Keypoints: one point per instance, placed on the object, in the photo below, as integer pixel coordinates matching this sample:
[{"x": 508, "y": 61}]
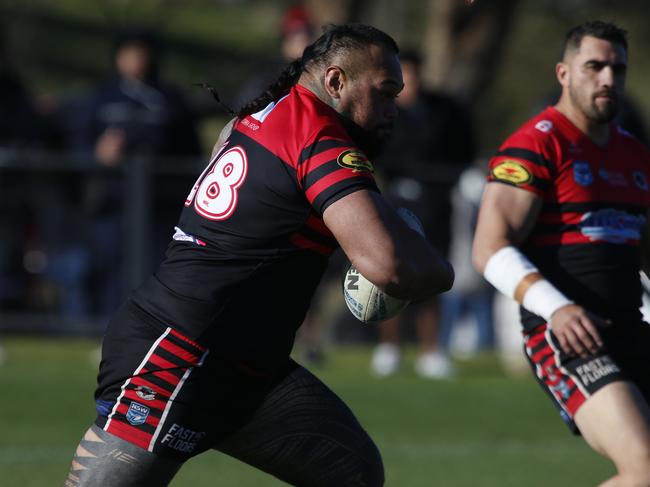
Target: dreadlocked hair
[{"x": 335, "y": 40}]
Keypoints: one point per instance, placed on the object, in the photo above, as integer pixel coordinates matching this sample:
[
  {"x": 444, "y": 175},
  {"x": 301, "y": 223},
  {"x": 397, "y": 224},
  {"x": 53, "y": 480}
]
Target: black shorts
[
  {"x": 170, "y": 395},
  {"x": 571, "y": 380}
]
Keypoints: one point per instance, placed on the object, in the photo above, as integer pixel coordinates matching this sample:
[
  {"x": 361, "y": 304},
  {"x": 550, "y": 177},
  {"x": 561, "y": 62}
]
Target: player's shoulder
[
  {"x": 542, "y": 126},
  {"x": 631, "y": 141},
  {"x": 539, "y": 132},
  {"x": 298, "y": 115}
]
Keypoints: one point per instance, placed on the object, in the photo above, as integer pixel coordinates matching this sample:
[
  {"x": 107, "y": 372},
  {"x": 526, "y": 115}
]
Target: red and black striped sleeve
[
  {"x": 525, "y": 162},
  {"x": 331, "y": 166}
]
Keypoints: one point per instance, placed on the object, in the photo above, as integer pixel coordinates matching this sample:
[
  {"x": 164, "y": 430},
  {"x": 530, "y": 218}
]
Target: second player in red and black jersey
[
  {"x": 595, "y": 200},
  {"x": 562, "y": 229}
]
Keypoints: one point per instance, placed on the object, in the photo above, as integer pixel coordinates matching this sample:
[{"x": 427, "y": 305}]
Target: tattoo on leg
[
  {"x": 84, "y": 455},
  {"x": 102, "y": 459}
]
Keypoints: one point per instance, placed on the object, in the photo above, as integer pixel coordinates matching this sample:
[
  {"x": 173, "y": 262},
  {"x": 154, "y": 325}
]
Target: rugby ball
[{"x": 367, "y": 302}]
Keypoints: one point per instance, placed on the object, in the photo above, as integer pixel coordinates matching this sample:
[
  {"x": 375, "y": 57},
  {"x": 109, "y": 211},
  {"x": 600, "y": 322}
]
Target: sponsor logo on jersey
[
  {"x": 596, "y": 369},
  {"x": 146, "y": 393},
  {"x": 512, "y": 172},
  {"x": 355, "y": 160},
  {"x": 137, "y": 413},
  {"x": 640, "y": 180},
  {"x": 582, "y": 173},
  {"x": 544, "y": 126},
  {"x": 247, "y": 123},
  {"x": 611, "y": 226},
  {"x": 615, "y": 178},
  {"x": 182, "y": 439}
]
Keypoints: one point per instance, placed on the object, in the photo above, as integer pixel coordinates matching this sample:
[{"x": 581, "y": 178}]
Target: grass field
[{"x": 481, "y": 429}]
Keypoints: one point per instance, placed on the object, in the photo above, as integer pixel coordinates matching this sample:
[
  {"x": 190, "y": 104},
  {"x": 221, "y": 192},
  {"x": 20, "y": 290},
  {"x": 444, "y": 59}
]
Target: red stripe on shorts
[
  {"x": 179, "y": 352},
  {"x": 130, "y": 433}
]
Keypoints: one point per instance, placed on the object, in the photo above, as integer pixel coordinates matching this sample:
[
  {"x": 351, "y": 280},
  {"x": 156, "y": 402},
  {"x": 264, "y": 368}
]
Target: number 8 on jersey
[{"x": 215, "y": 197}]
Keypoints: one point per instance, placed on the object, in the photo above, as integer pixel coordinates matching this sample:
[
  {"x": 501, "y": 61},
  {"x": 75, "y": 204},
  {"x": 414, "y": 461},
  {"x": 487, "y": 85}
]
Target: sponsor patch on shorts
[
  {"x": 182, "y": 439},
  {"x": 596, "y": 369},
  {"x": 137, "y": 413}
]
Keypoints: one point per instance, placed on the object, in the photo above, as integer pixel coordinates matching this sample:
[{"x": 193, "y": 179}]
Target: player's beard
[
  {"x": 370, "y": 142},
  {"x": 598, "y": 112}
]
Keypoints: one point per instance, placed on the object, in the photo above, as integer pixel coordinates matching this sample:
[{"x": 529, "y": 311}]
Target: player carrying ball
[{"x": 198, "y": 356}]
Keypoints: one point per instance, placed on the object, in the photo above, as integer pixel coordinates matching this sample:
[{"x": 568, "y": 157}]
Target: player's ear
[
  {"x": 562, "y": 73},
  {"x": 335, "y": 79}
]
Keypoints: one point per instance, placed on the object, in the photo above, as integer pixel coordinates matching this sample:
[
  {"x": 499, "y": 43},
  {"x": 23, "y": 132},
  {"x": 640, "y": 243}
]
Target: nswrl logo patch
[{"x": 137, "y": 413}]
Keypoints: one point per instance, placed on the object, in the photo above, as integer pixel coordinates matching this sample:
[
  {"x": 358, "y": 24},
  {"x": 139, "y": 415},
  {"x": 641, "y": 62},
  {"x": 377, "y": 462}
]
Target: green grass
[{"x": 482, "y": 429}]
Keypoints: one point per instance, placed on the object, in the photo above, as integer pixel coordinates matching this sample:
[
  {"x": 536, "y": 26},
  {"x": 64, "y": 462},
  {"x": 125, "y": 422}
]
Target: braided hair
[{"x": 335, "y": 40}]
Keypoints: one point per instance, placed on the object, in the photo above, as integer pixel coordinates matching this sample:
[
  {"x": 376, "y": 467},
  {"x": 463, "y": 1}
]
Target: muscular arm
[
  {"x": 384, "y": 249},
  {"x": 506, "y": 217}
]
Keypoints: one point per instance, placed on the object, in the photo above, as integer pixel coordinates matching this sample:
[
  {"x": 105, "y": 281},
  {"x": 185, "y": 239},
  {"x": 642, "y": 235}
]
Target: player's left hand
[{"x": 577, "y": 330}]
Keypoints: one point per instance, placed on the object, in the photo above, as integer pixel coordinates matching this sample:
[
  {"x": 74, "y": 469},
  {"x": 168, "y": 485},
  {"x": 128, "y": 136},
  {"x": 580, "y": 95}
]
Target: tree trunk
[
  {"x": 335, "y": 11},
  {"x": 462, "y": 44}
]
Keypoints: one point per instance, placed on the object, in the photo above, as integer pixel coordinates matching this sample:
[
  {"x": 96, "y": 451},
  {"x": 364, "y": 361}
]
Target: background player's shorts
[
  {"x": 570, "y": 380},
  {"x": 168, "y": 394}
]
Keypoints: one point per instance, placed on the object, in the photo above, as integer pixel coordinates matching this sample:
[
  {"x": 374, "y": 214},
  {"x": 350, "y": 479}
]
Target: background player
[
  {"x": 198, "y": 357},
  {"x": 561, "y": 235}
]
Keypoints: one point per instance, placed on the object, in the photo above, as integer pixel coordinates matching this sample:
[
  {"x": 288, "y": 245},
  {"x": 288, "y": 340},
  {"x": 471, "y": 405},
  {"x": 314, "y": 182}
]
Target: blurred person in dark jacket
[
  {"x": 134, "y": 111},
  {"x": 133, "y": 115},
  {"x": 432, "y": 142}
]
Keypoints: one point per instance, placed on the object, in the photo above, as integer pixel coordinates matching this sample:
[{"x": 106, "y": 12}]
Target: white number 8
[{"x": 215, "y": 197}]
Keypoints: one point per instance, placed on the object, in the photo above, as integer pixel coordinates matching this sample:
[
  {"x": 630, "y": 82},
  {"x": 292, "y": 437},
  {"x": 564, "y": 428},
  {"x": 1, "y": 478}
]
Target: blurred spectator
[
  {"x": 471, "y": 297},
  {"x": 432, "y": 143},
  {"x": 132, "y": 116}
]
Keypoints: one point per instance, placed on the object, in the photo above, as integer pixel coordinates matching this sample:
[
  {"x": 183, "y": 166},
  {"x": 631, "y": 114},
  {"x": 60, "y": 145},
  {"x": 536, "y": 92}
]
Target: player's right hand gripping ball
[{"x": 366, "y": 301}]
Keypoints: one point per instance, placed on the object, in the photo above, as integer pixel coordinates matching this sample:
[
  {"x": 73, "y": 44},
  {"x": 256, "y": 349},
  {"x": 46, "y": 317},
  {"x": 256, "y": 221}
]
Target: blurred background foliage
[{"x": 62, "y": 47}]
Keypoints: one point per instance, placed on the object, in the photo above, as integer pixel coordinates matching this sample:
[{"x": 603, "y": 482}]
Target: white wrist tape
[
  {"x": 506, "y": 268},
  {"x": 543, "y": 299}
]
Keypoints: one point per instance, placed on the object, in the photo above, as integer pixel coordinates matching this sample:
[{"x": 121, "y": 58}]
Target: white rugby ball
[{"x": 366, "y": 301}]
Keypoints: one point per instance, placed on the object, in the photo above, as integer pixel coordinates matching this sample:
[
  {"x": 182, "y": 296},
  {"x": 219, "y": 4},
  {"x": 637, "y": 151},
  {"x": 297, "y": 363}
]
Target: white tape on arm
[
  {"x": 543, "y": 299},
  {"x": 506, "y": 268}
]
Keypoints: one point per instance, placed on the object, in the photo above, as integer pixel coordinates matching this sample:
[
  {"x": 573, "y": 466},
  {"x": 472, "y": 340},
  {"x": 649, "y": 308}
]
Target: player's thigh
[
  {"x": 615, "y": 421},
  {"x": 104, "y": 460},
  {"x": 304, "y": 434}
]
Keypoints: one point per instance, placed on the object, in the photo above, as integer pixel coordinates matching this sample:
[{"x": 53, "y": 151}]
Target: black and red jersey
[
  {"x": 595, "y": 200},
  {"x": 251, "y": 246}
]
